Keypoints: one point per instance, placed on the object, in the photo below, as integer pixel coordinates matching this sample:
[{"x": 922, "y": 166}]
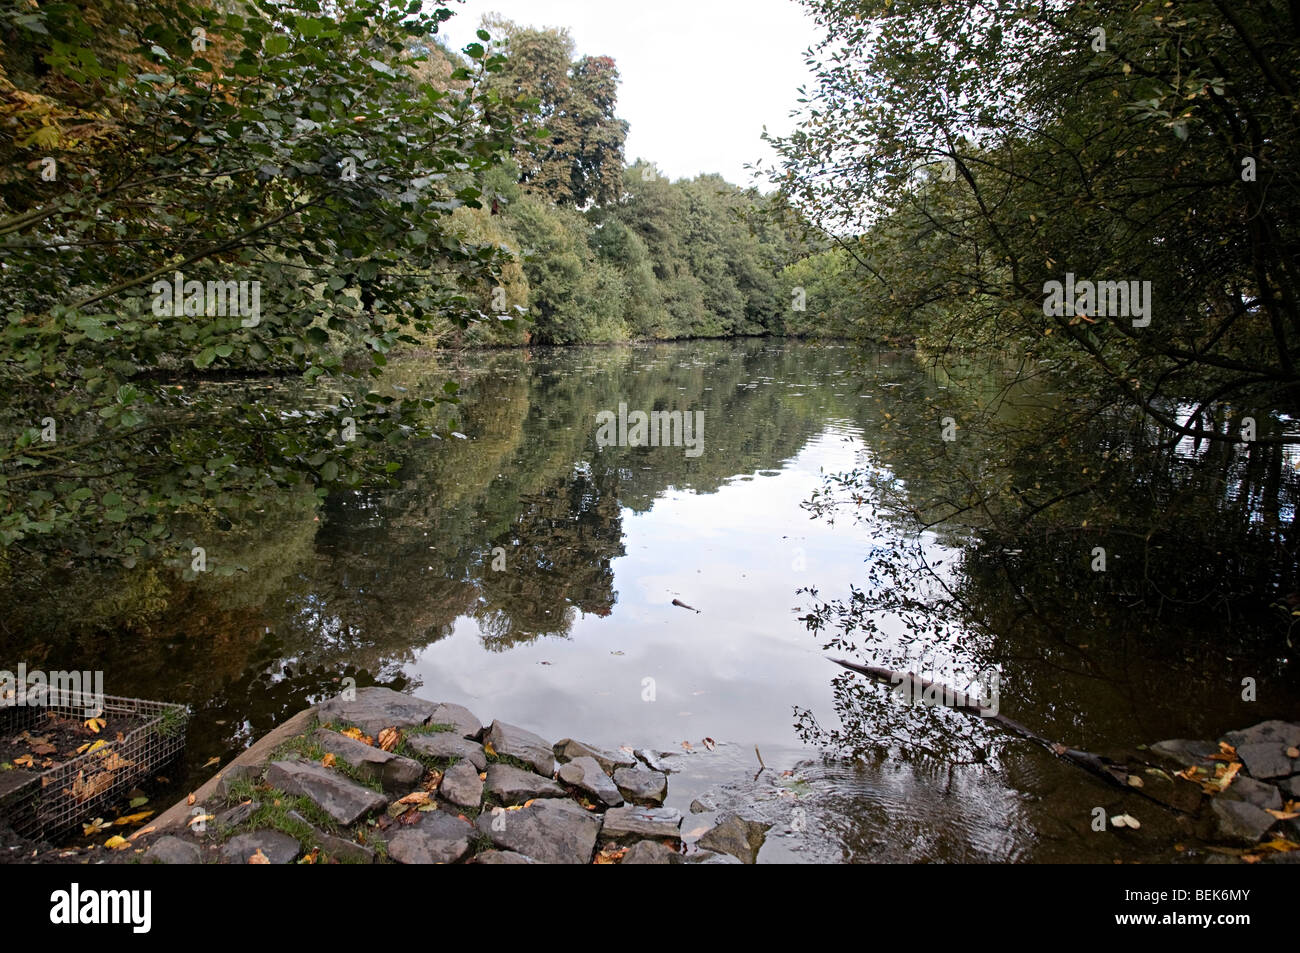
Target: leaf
[
  {"x": 328, "y": 760},
  {"x": 489, "y": 750},
  {"x": 353, "y": 733},
  {"x": 1283, "y": 815},
  {"x": 94, "y": 827},
  {"x": 274, "y": 45},
  {"x": 117, "y": 842},
  {"x": 388, "y": 739},
  {"x": 687, "y": 746},
  {"x": 416, "y": 797},
  {"x": 133, "y": 818},
  {"x": 142, "y": 800},
  {"x": 211, "y": 761},
  {"x": 198, "y": 818},
  {"x": 25, "y": 761},
  {"x": 259, "y": 858},
  {"x": 95, "y": 724},
  {"x": 710, "y": 743}
]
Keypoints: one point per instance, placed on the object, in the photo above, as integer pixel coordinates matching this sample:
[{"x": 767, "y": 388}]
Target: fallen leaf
[
  {"x": 686, "y": 746},
  {"x": 133, "y": 818},
  {"x": 388, "y": 739},
  {"x": 25, "y": 761},
  {"x": 1125, "y": 820},
  {"x": 353, "y": 733},
  {"x": 610, "y": 854},
  {"x": 95, "y": 724},
  {"x": 211, "y": 761},
  {"x": 144, "y": 830},
  {"x": 117, "y": 842},
  {"x": 1281, "y": 845},
  {"x": 710, "y": 743},
  {"x": 328, "y": 760},
  {"x": 259, "y": 858},
  {"x": 94, "y": 827},
  {"x": 42, "y": 748},
  {"x": 489, "y": 750},
  {"x": 415, "y": 797},
  {"x": 199, "y": 818},
  {"x": 1293, "y": 752},
  {"x": 1283, "y": 815},
  {"x": 482, "y": 776},
  {"x": 1134, "y": 781},
  {"x": 142, "y": 800},
  {"x": 190, "y": 799}
]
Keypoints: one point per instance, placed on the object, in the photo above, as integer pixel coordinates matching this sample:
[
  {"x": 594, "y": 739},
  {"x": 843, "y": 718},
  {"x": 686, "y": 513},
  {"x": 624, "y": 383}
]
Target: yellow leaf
[
  {"x": 328, "y": 760},
  {"x": 133, "y": 818},
  {"x": 415, "y": 797},
  {"x": 489, "y": 750},
  {"x": 117, "y": 842},
  {"x": 259, "y": 858},
  {"x": 353, "y": 733},
  {"x": 197, "y": 818},
  {"x": 25, "y": 760},
  {"x": 94, "y": 827},
  {"x": 1281, "y": 845},
  {"x": 95, "y": 724}
]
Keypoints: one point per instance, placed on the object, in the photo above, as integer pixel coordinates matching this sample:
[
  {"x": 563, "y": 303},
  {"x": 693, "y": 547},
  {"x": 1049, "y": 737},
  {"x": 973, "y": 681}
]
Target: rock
[
  {"x": 276, "y": 847},
  {"x": 461, "y": 785},
  {"x": 656, "y": 760},
  {"x": 1291, "y": 787},
  {"x": 1253, "y": 792},
  {"x": 227, "y": 777},
  {"x": 511, "y": 785},
  {"x": 524, "y": 745},
  {"x": 587, "y": 775},
  {"x": 570, "y": 750},
  {"x": 375, "y": 709},
  {"x": 737, "y": 836},
  {"x": 1283, "y": 733},
  {"x": 712, "y": 857},
  {"x": 339, "y": 797},
  {"x": 395, "y": 773},
  {"x": 342, "y": 850},
  {"x": 642, "y": 785},
  {"x": 448, "y": 745},
  {"x": 439, "y": 837},
  {"x": 1185, "y": 752},
  {"x": 1265, "y": 759},
  {"x": 173, "y": 850},
  {"x": 1240, "y": 822},
  {"x": 502, "y": 857},
  {"x": 462, "y": 720},
  {"x": 551, "y": 831},
  {"x": 233, "y": 817},
  {"x": 637, "y": 823},
  {"x": 650, "y": 852},
  {"x": 702, "y": 807}
]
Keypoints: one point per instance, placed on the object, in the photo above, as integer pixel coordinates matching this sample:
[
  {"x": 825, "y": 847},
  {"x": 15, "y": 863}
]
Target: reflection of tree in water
[
  {"x": 1200, "y": 556},
  {"x": 557, "y": 559}
]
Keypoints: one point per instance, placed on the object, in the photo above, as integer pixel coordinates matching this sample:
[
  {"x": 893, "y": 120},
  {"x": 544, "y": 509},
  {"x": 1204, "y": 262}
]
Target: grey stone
[
  {"x": 460, "y": 717},
  {"x": 233, "y": 817},
  {"x": 587, "y": 775},
  {"x": 395, "y": 773},
  {"x": 1240, "y": 822},
  {"x": 552, "y": 831},
  {"x": 461, "y": 785},
  {"x": 650, "y": 852},
  {"x": 375, "y": 709},
  {"x": 1284, "y": 733},
  {"x": 342, "y": 850},
  {"x": 511, "y": 785},
  {"x": 1186, "y": 751},
  {"x": 656, "y": 760},
  {"x": 1291, "y": 787},
  {"x": 524, "y": 745},
  {"x": 1254, "y": 792},
  {"x": 502, "y": 857},
  {"x": 712, "y": 857},
  {"x": 699, "y": 806},
  {"x": 737, "y": 836},
  {"x": 173, "y": 850},
  {"x": 642, "y": 785},
  {"x": 278, "y": 848},
  {"x": 439, "y": 837},
  {"x": 570, "y": 750},
  {"x": 447, "y": 745},
  {"x": 1266, "y": 759},
  {"x": 628, "y": 823},
  {"x": 339, "y": 797},
  {"x": 228, "y": 776}
]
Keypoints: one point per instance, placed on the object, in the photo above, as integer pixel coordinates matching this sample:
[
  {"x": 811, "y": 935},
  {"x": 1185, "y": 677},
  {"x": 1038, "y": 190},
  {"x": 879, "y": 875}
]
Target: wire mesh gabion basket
[{"x": 47, "y": 805}]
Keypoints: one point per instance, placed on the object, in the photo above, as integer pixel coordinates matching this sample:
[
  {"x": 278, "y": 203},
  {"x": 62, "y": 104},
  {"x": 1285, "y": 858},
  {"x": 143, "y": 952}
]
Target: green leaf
[{"x": 275, "y": 44}]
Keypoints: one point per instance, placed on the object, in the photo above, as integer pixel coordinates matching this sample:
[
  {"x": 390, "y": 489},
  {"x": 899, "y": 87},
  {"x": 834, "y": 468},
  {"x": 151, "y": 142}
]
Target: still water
[{"x": 524, "y": 571}]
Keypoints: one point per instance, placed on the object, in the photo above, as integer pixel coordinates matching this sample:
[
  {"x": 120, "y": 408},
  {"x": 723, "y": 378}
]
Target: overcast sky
[{"x": 700, "y": 78}]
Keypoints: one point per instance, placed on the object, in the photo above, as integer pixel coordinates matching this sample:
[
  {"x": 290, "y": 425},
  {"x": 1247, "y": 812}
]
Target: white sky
[{"x": 700, "y": 78}]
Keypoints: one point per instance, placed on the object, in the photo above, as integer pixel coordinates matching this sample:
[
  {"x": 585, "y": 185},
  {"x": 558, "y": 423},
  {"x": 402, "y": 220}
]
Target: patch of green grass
[
  {"x": 512, "y": 761},
  {"x": 433, "y": 729},
  {"x": 309, "y": 749}
]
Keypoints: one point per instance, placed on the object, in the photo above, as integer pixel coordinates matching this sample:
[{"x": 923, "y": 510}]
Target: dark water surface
[{"x": 578, "y": 635}]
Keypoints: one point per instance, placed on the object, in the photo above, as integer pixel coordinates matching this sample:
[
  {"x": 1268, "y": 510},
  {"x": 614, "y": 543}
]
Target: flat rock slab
[
  {"x": 461, "y": 785},
  {"x": 527, "y": 747},
  {"x": 395, "y": 773},
  {"x": 1254, "y": 792},
  {"x": 233, "y": 817},
  {"x": 1285, "y": 733},
  {"x": 459, "y": 717},
  {"x": 570, "y": 750},
  {"x": 737, "y": 836},
  {"x": 1291, "y": 787},
  {"x": 1240, "y": 822},
  {"x": 437, "y": 838},
  {"x": 712, "y": 857},
  {"x": 1266, "y": 759},
  {"x": 339, "y": 797},
  {"x": 343, "y": 850},
  {"x": 586, "y": 774},
  {"x": 551, "y": 831},
  {"x": 511, "y": 785},
  {"x": 375, "y": 709},
  {"x": 276, "y": 847},
  {"x": 502, "y": 857},
  {"x": 658, "y": 760},
  {"x": 173, "y": 850},
  {"x": 1186, "y": 752},
  {"x": 651, "y": 852},
  {"x": 448, "y": 745},
  {"x": 642, "y": 785},
  {"x": 637, "y": 823}
]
